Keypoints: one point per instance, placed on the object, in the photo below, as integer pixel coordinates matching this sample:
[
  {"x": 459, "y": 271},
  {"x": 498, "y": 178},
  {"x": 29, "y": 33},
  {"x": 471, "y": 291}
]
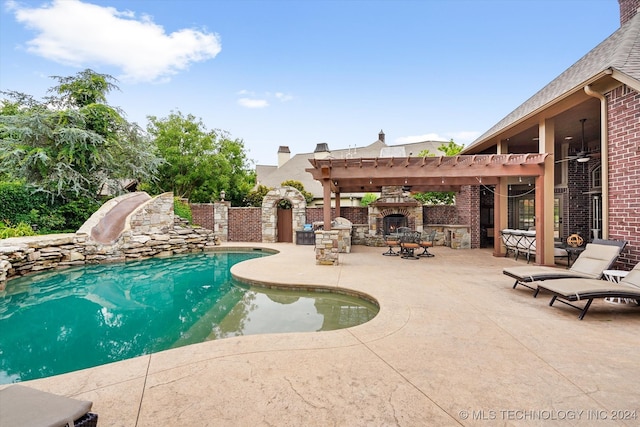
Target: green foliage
[
  {"x": 77, "y": 212},
  {"x": 439, "y": 197},
  {"x": 44, "y": 221},
  {"x": 71, "y": 143},
  {"x": 199, "y": 163},
  {"x": 450, "y": 148},
  {"x": 436, "y": 197},
  {"x": 367, "y": 199},
  {"x": 182, "y": 209},
  {"x": 426, "y": 153},
  {"x": 17, "y": 198},
  {"x": 22, "y": 203},
  {"x": 19, "y": 230},
  {"x": 256, "y": 196},
  {"x": 308, "y": 197}
]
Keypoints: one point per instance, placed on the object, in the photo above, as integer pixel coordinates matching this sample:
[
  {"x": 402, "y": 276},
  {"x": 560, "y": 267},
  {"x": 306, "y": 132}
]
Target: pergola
[{"x": 363, "y": 175}]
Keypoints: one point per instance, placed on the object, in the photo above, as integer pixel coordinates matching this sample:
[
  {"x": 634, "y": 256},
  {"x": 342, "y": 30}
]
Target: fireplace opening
[{"x": 391, "y": 223}]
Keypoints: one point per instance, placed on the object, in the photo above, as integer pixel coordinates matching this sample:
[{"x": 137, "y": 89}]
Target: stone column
[
  {"x": 221, "y": 220},
  {"x": 327, "y": 247}
]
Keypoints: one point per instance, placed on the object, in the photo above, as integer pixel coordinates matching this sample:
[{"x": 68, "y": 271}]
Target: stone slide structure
[{"x": 132, "y": 226}]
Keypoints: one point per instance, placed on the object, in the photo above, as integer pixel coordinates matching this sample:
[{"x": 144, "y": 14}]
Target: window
[
  {"x": 526, "y": 213},
  {"x": 596, "y": 177}
]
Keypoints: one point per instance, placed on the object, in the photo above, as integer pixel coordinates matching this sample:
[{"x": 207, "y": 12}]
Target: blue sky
[{"x": 298, "y": 73}]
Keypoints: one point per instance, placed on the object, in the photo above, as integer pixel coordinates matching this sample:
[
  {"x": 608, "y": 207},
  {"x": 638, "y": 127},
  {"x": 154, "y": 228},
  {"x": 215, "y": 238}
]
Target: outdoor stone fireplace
[{"x": 394, "y": 209}]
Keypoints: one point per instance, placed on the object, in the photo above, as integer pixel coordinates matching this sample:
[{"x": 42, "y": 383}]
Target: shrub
[
  {"x": 182, "y": 209},
  {"x": 19, "y": 230},
  {"x": 367, "y": 199}
]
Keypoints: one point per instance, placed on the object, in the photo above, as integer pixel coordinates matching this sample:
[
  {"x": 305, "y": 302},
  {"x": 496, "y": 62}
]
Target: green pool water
[{"x": 65, "y": 320}]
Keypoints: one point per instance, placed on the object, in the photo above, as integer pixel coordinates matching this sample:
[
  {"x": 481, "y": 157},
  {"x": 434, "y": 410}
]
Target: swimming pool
[{"x": 65, "y": 320}]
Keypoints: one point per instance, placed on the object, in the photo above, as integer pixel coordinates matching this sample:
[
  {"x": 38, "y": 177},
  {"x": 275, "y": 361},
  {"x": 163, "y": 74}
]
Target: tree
[
  {"x": 199, "y": 163},
  {"x": 308, "y": 197},
  {"x": 439, "y": 197},
  {"x": 72, "y": 143},
  {"x": 256, "y": 196}
]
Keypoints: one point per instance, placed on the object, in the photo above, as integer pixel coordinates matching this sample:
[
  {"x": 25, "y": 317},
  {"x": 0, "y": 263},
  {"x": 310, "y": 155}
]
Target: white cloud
[
  {"x": 251, "y": 100},
  {"x": 283, "y": 96},
  {"x": 253, "y": 103},
  {"x": 464, "y": 137},
  {"x": 81, "y": 34}
]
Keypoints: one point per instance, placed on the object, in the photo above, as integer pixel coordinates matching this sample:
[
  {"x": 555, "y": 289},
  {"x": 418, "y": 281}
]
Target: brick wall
[
  {"x": 440, "y": 215},
  {"x": 624, "y": 171},
  {"x": 468, "y": 206},
  {"x": 245, "y": 225},
  {"x": 202, "y": 215},
  {"x": 578, "y": 203},
  {"x": 628, "y": 9}
]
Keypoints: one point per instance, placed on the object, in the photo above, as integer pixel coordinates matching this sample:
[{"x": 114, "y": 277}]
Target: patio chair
[
  {"x": 426, "y": 242},
  {"x": 392, "y": 241},
  {"x": 591, "y": 263},
  {"x": 410, "y": 242},
  {"x": 567, "y": 291},
  {"x": 25, "y": 406}
]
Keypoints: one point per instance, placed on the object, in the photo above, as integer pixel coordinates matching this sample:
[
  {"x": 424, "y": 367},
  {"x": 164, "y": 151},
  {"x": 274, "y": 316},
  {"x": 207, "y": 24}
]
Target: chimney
[
  {"x": 628, "y": 9},
  {"x": 321, "y": 151},
  {"x": 283, "y": 155},
  {"x": 381, "y": 136}
]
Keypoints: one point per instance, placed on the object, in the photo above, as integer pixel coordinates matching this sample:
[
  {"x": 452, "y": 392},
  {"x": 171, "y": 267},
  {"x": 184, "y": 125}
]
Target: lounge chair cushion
[
  {"x": 595, "y": 259},
  {"x": 590, "y": 264},
  {"x": 579, "y": 289},
  {"x": 25, "y": 406},
  {"x": 576, "y": 289}
]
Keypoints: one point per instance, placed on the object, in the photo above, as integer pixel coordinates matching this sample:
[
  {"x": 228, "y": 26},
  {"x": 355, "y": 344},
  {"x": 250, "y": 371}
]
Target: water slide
[{"x": 113, "y": 223}]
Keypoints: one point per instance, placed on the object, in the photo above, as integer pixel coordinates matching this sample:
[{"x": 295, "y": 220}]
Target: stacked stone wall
[{"x": 152, "y": 231}]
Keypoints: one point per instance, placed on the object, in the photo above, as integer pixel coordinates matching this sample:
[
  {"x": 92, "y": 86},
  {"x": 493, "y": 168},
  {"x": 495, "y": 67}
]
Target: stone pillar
[
  {"x": 327, "y": 247},
  {"x": 221, "y": 220}
]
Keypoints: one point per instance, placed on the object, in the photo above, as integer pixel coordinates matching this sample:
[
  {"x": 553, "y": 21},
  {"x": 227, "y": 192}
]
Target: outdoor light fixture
[
  {"x": 582, "y": 159},
  {"x": 222, "y": 194}
]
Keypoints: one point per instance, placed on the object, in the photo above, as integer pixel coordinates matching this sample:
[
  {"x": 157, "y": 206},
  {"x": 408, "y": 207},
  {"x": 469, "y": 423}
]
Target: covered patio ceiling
[{"x": 364, "y": 175}]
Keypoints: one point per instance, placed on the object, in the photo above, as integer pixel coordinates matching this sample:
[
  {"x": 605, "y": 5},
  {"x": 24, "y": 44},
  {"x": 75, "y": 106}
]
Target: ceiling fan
[{"x": 581, "y": 156}]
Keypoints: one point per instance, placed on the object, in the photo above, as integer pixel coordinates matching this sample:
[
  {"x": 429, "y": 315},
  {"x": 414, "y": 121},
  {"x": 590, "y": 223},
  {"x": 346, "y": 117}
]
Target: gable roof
[
  {"x": 294, "y": 168},
  {"x": 620, "y": 52}
]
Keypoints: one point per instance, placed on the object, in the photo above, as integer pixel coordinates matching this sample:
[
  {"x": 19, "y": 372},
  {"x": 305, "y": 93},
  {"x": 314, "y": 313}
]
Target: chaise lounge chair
[
  {"x": 597, "y": 257},
  {"x": 571, "y": 290},
  {"x": 25, "y": 406}
]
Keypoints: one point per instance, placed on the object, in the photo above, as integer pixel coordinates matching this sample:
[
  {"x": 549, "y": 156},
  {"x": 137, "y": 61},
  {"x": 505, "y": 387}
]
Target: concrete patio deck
[{"x": 453, "y": 344}]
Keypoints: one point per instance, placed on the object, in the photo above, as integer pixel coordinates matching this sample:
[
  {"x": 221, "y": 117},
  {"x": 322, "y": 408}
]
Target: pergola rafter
[{"x": 363, "y": 175}]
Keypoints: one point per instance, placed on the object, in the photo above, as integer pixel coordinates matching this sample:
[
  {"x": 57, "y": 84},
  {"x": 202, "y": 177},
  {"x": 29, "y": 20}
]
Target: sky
[{"x": 298, "y": 73}]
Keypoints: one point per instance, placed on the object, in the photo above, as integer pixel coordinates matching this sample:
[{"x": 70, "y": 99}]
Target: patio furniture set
[
  {"x": 523, "y": 242},
  {"x": 405, "y": 242},
  {"x": 589, "y": 278}
]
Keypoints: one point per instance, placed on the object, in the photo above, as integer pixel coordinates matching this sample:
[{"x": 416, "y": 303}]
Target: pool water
[{"x": 65, "y": 320}]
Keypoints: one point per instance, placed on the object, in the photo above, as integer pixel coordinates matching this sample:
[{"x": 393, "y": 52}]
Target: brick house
[
  {"x": 588, "y": 118},
  {"x": 585, "y": 125}
]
